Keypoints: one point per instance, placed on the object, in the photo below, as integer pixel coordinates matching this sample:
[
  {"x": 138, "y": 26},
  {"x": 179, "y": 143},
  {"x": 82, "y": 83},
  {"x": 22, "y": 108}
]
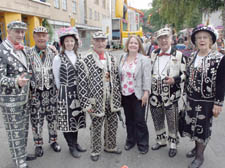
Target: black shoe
[
  {"x": 95, "y": 158},
  {"x": 116, "y": 151},
  {"x": 55, "y": 146},
  {"x": 143, "y": 151},
  {"x": 191, "y": 153},
  {"x": 128, "y": 146},
  {"x": 74, "y": 152},
  {"x": 172, "y": 152},
  {"x": 157, "y": 146},
  {"x": 39, "y": 151},
  {"x": 196, "y": 163},
  {"x": 30, "y": 157},
  {"x": 80, "y": 149}
]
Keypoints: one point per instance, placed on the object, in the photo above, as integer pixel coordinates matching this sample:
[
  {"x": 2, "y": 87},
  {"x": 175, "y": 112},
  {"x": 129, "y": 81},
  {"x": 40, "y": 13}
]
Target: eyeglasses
[{"x": 202, "y": 37}]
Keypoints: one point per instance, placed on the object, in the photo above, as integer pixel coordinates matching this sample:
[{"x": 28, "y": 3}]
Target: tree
[{"x": 184, "y": 11}]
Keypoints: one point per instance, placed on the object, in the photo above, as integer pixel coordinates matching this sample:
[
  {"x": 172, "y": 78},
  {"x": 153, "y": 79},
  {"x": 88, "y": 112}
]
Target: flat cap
[
  {"x": 40, "y": 29},
  {"x": 99, "y": 35},
  {"x": 163, "y": 32},
  {"x": 17, "y": 25}
]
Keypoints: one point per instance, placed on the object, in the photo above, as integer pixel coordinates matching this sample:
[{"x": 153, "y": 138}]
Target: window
[
  {"x": 104, "y": 4},
  {"x": 96, "y": 17},
  {"x": 96, "y": 2},
  {"x": 90, "y": 13},
  {"x": 56, "y": 3},
  {"x": 74, "y": 6},
  {"x": 64, "y": 4}
]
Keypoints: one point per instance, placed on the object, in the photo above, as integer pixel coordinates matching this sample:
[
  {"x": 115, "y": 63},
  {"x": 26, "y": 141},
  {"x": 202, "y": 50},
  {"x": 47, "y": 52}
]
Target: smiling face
[
  {"x": 99, "y": 44},
  {"x": 69, "y": 43},
  {"x": 16, "y": 36},
  {"x": 203, "y": 40},
  {"x": 164, "y": 42},
  {"x": 41, "y": 40},
  {"x": 133, "y": 45}
]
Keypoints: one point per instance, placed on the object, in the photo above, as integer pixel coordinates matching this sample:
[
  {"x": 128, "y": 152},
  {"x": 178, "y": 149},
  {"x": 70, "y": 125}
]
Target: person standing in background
[
  {"x": 70, "y": 116},
  {"x": 99, "y": 94},
  {"x": 14, "y": 91},
  {"x": 204, "y": 88},
  {"x": 168, "y": 73},
  {"x": 135, "y": 79},
  {"x": 43, "y": 90}
]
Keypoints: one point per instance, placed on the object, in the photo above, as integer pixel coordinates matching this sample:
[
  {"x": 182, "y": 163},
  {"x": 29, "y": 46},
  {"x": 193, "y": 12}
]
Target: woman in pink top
[{"x": 135, "y": 78}]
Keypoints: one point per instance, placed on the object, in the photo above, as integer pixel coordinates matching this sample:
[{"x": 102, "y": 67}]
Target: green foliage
[
  {"x": 180, "y": 13},
  {"x": 46, "y": 24}
]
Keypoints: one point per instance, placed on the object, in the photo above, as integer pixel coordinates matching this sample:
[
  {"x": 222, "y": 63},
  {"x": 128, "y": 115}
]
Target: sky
[{"x": 139, "y": 4}]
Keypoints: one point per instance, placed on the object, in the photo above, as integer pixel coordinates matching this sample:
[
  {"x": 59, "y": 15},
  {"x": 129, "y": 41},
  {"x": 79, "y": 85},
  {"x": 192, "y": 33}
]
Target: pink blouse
[{"x": 127, "y": 81}]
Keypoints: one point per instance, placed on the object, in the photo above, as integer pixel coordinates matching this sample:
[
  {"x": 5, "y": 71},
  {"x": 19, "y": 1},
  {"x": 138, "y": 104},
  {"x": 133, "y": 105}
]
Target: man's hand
[
  {"x": 22, "y": 81},
  {"x": 54, "y": 50},
  {"x": 169, "y": 80},
  {"x": 90, "y": 111},
  {"x": 216, "y": 110}
]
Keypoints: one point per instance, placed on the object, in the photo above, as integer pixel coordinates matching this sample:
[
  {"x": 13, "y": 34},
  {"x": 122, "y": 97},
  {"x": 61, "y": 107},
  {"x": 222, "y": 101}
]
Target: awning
[{"x": 85, "y": 27}]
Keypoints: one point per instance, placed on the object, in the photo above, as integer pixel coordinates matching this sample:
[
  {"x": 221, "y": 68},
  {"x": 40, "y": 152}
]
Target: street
[{"x": 214, "y": 155}]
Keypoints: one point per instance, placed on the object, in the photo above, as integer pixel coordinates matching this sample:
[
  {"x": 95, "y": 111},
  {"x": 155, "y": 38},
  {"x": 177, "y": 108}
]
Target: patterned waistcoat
[
  {"x": 176, "y": 68},
  {"x": 92, "y": 84},
  {"x": 207, "y": 86},
  {"x": 43, "y": 74}
]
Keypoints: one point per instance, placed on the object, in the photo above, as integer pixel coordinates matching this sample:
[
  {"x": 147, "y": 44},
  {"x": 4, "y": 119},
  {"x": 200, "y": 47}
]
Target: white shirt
[
  {"x": 161, "y": 64},
  {"x": 57, "y": 63},
  {"x": 198, "y": 61}
]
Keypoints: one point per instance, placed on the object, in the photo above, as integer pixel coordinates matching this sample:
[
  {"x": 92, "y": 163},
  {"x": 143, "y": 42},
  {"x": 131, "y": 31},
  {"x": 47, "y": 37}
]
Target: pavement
[{"x": 214, "y": 154}]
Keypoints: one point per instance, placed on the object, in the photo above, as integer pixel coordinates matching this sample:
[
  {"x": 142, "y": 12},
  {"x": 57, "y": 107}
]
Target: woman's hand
[
  {"x": 216, "y": 110},
  {"x": 144, "y": 99}
]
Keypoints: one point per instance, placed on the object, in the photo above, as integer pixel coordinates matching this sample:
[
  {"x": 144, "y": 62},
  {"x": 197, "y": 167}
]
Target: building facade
[{"x": 87, "y": 15}]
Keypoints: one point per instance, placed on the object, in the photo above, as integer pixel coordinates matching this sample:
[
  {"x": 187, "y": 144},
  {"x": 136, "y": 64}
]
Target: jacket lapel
[
  {"x": 9, "y": 48},
  {"x": 138, "y": 67}
]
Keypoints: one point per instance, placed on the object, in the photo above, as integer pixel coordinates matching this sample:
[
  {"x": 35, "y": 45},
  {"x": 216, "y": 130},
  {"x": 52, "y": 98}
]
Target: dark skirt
[{"x": 198, "y": 120}]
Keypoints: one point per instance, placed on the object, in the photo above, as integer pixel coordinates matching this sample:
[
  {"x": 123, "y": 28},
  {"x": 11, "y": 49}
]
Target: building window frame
[
  {"x": 90, "y": 13},
  {"x": 97, "y": 2},
  {"x": 64, "y": 4},
  {"x": 104, "y": 4},
  {"x": 74, "y": 6},
  {"x": 57, "y": 4}
]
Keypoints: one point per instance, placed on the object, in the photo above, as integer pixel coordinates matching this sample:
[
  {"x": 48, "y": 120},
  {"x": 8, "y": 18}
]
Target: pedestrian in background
[
  {"x": 99, "y": 94},
  {"x": 204, "y": 87},
  {"x": 135, "y": 79},
  {"x": 168, "y": 73},
  {"x": 70, "y": 116},
  {"x": 14, "y": 91},
  {"x": 43, "y": 90}
]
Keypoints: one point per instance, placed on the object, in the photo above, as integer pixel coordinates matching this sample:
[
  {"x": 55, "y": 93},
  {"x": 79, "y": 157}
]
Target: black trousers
[
  {"x": 137, "y": 130},
  {"x": 71, "y": 138}
]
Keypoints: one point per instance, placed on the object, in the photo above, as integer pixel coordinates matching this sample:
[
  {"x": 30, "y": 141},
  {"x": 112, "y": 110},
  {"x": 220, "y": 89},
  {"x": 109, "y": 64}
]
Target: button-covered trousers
[
  {"x": 43, "y": 105},
  {"x": 16, "y": 120},
  {"x": 110, "y": 121}
]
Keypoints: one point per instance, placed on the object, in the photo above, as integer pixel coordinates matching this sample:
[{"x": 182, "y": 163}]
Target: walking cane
[{"x": 146, "y": 114}]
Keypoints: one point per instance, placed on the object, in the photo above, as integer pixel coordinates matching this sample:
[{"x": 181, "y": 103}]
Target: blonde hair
[{"x": 141, "y": 48}]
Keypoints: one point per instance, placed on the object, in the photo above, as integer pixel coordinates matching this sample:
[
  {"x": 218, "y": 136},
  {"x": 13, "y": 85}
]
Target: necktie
[
  {"x": 165, "y": 54},
  {"x": 101, "y": 56},
  {"x": 18, "y": 46}
]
